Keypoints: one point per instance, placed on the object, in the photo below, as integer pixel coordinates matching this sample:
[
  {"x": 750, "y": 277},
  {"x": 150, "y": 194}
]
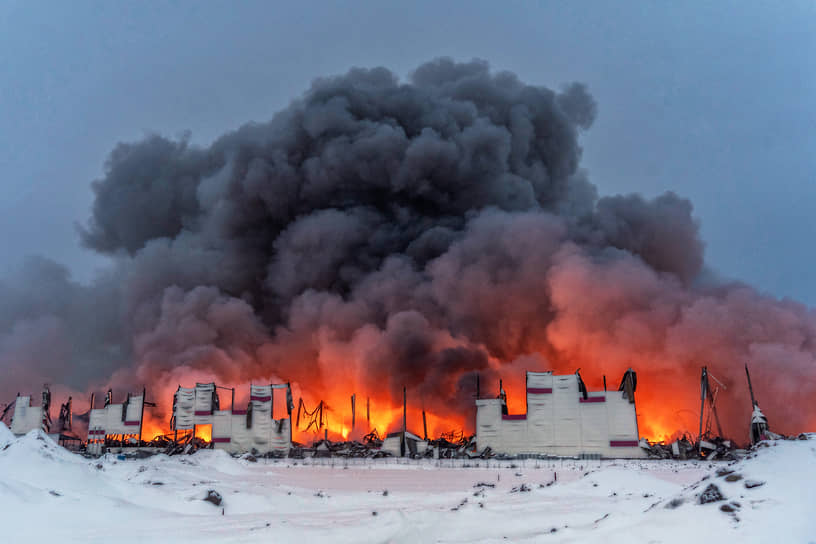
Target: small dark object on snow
[
  {"x": 727, "y": 508},
  {"x": 733, "y": 478},
  {"x": 251, "y": 458},
  {"x": 99, "y": 466},
  {"x": 802, "y": 436},
  {"x": 484, "y": 484},
  {"x": 750, "y": 484},
  {"x": 374, "y": 513},
  {"x": 711, "y": 494},
  {"x": 554, "y": 530},
  {"x": 724, "y": 472},
  {"x": 523, "y": 488},
  {"x": 674, "y": 503},
  {"x": 385, "y": 493},
  {"x": 55, "y": 493},
  {"x": 214, "y": 497}
]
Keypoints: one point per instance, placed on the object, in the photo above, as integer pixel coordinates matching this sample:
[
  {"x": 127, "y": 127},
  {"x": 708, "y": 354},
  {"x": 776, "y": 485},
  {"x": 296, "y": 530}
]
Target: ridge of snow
[{"x": 161, "y": 497}]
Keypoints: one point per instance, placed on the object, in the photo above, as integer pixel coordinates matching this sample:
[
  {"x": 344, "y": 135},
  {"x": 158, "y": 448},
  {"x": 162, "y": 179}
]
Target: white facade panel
[
  {"x": 203, "y": 405},
  {"x": 26, "y": 417},
  {"x": 238, "y": 431},
  {"x": 560, "y": 421},
  {"x": 184, "y": 408},
  {"x": 125, "y": 418}
]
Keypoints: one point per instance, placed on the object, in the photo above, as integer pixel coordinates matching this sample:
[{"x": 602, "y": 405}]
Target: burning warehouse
[
  {"x": 379, "y": 233},
  {"x": 563, "y": 419}
]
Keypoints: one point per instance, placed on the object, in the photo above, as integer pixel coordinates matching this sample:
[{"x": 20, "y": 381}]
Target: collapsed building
[
  {"x": 563, "y": 418},
  {"x": 254, "y": 429}
]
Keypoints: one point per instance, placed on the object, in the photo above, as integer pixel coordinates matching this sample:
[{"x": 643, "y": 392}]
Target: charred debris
[{"x": 708, "y": 445}]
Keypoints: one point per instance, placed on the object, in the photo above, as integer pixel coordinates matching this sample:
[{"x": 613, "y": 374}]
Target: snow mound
[
  {"x": 36, "y": 449},
  {"x": 758, "y": 499},
  {"x": 768, "y": 491},
  {"x": 5, "y": 435}
]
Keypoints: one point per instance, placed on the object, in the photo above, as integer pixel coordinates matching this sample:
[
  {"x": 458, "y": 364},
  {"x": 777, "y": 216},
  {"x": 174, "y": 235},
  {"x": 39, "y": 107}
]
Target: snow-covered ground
[{"x": 49, "y": 494}]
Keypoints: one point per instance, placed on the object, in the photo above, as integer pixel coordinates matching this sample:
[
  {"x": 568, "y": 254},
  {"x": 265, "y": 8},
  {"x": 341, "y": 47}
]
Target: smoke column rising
[{"x": 379, "y": 233}]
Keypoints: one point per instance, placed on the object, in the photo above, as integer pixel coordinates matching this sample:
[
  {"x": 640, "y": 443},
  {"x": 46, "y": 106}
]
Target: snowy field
[{"x": 48, "y": 494}]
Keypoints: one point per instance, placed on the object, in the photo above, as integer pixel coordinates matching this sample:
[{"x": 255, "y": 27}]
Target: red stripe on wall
[
  {"x": 539, "y": 390},
  {"x": 239, "y": 412},
  {"x": 132, "y": 423},
  {"x": 592, "y": 399},
  {"x": 203, "y": 413},
  {"x": 514, "y": 417},
  {"x": 220, "y": 440},
  {"x": 260, "y": 399},
  {"x": 623, "y": 443}
]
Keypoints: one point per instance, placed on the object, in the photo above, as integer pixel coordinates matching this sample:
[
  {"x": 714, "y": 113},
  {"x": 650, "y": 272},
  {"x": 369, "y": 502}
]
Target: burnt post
[
  {"x": 290, "y": 405},
  {"x": 141, "y": 419},
  {"x": 703, "y": 395},
  {"x": 404, "y": 420},
  {"x": 353, "y": 413},
  {"x": 424, "y": 425},
  {"x": 750, "y": 388}
]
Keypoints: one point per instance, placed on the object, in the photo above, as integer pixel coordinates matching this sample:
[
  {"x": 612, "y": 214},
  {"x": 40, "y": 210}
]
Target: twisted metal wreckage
[{"x": 563, "y": 419}]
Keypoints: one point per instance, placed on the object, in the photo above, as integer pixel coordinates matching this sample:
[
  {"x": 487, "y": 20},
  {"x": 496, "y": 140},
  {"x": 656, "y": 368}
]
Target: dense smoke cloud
[{"x": 378, "y": 234}]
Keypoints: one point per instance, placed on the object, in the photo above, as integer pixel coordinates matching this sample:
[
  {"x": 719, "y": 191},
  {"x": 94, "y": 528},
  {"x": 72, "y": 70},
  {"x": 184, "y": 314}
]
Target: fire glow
[{"x": 661, "y": 417}]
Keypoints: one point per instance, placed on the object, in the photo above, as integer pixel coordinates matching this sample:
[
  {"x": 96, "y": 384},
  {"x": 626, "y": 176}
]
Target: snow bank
[
  {"x": 5, "y": 435},
  {"x": 767, "y": 495},
  {"x": 394, "y": 500}
]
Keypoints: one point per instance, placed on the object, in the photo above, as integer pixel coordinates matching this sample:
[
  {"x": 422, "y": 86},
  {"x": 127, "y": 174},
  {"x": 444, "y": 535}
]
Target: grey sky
[{"x": 711, "y": 100}]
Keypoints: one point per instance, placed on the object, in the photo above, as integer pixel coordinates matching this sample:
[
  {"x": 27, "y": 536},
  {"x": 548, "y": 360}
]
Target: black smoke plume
[{"x": 379, "y": 233}]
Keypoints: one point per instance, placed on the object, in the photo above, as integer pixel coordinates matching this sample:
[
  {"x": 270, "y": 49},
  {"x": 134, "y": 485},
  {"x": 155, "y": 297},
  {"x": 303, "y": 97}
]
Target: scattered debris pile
[{"x": 371, "y": 447}]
